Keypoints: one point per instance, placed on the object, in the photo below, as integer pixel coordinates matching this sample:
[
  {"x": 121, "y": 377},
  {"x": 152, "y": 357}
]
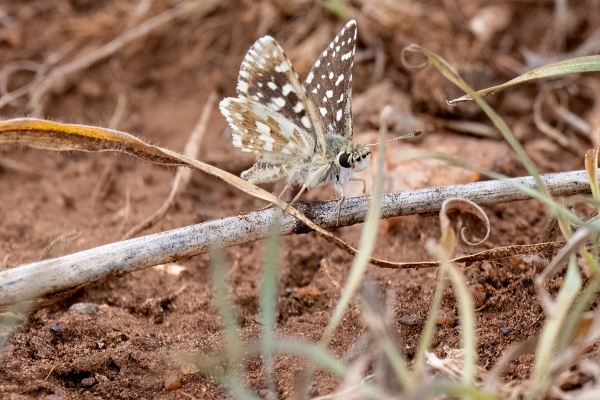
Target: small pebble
[
  {"x": 53, "y": 397},
  {"x": 444, "y": 318},
  {"x": 172, "y": 382},
  {"x": 56, "y": 330},
  {"x": 479, "y": 295},
  {"x": 88, "y": 382},
  {"x": 83, "y": 308}
]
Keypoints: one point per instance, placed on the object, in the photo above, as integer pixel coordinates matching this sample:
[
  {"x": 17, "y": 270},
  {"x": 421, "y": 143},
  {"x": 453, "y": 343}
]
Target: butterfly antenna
[{"x": 408, "y": 135}]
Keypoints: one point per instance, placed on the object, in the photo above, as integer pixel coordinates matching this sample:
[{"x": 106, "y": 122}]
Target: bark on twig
[{"x": 38, "y": 279}]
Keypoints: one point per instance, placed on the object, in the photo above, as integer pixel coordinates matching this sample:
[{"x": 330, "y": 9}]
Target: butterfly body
[{"x": 300, "y": 133}]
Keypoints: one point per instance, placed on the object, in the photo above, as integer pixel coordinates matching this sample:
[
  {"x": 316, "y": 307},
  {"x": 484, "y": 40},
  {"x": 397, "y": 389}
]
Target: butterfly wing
[
  {"x": 329, "y": 83},
  {"x": 272, "y": 115}
]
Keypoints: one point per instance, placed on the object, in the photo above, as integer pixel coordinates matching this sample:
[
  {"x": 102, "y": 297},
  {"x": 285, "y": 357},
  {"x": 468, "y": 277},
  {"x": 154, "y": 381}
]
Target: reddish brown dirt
[{"x": 144, "y": 319}]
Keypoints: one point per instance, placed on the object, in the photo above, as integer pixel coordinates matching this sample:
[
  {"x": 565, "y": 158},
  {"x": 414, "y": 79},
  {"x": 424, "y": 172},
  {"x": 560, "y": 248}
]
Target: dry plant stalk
[
  {"x": 41, "y": 278},
  {"x": 183, "y": 175}
]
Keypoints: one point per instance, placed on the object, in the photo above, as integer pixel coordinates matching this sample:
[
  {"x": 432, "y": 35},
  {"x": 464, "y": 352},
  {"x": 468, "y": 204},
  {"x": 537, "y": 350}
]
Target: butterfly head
[{"x": 357, "y": 158}]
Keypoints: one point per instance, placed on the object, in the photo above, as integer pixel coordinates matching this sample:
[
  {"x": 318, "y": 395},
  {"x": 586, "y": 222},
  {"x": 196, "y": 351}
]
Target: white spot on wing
[
  {"x": 310, "y": 77},
  {"x": 298, "y": 107},
  {"x": 283, "y": 67},
  {"x": 338, "y": 115},
  {"x": 341, "y": 98},
  {"x": 306, "y": 122},
  {"x": 331, "y": 75},
  {"x": 272, "y": 85},
  {"x": 279, "y": 101},
  {"x": 329, "y": 93},
  {"x": 267, "y": 146},
  {"x": 287, "y": 88},
  {"x": 263, "y": 129},
  {"x": 339, "y": 79},
  {"x": 323, "y": 111}
]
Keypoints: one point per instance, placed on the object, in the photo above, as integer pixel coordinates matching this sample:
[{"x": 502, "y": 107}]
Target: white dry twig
[{"x": 38, "y": 279}]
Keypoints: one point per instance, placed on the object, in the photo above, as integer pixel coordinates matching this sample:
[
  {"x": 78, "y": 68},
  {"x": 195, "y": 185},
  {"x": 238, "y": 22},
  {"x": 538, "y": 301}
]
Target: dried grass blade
[
  {"x": 183, "y": 175},
  {"x": 466, "y": 311},
  {"x": 572, "y": 66},
  {"x": 553, "y": 329}
]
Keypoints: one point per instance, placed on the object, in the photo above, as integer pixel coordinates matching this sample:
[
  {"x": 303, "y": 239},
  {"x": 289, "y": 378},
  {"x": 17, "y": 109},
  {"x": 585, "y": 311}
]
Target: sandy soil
[{"x": 126, "y": 347}]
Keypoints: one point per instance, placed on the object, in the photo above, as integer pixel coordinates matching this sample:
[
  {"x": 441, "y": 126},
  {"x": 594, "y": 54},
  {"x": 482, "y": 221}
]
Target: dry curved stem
[
  {"x": 183, "y": 175},
  {"x": 61, "y": 238},
  {"x": 13, "y": 67},
  {"x": 448, "y": 240},
  {"x": 413, "y": 48},
  {"x": 579, "y": 238},
  {"x": 544, "y": 127},
  {"x": 493, "y": 378}
]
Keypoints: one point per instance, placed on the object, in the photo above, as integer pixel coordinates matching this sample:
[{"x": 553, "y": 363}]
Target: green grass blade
[
  {"x": 429, "y": 329},
  {"x": 447, "y": 71},
  {"x": 552, "y": 329},
  {"x": 572, "y": 66},
  {"x": 466, "y": 312},
  {"x": 554, "y": 207},
  {"x": 367, "y": 238},
  {"x": 233, "y": 342},
  {"x": 268, "y": 302},
  {"x": 315, "y": 353}
]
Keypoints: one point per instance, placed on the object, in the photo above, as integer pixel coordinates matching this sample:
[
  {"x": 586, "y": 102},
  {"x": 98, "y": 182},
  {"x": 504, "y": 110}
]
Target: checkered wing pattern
[
  {"x": 329, "y": 83},
  {"x": 271, "y": 115}
]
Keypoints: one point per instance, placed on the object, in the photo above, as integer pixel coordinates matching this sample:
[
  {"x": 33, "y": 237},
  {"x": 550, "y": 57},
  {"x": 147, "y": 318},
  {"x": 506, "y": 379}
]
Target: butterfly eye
[{"x": 344, "y": 160}]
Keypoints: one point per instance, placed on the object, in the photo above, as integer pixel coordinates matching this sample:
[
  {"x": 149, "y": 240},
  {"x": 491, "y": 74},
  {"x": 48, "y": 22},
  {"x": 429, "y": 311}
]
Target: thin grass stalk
[
  {"x": 582, "y": 303},
  {"x": 315, "y": 353},
  {"x": 222, "y": 298},
  {"x": 591, "y": 165},
  {"x": 555, "y": 207},
  {"x": 466, "y": 313},
  {"x": 552, "y": 329},
  {"x": 379, "y": 326},
  {"x": 447, "y": 388},
  {"x": 268, "y": 303},
  {"x": 445, "y": 69},
  {"x": 429, "y": 329},
  {"x": 367, "y": 238}
]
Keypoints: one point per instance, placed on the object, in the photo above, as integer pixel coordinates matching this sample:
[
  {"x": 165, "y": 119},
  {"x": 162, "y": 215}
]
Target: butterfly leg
[
  {"x": 308, "y": 183},
  {"x": 363, "y": 182},
  {"x": 285, "y": 189},
  {"x": 338, "y": 190}
]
